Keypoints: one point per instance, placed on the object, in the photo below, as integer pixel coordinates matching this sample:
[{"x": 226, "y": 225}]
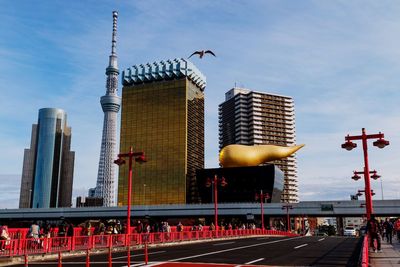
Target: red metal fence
[
  {"x": 32, "y": 246},
  {"x": 364, "y": 252}
]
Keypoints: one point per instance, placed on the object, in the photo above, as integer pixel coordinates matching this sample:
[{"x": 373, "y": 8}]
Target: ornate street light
[
  {"x": 349, "y": 145},
  {"x": 262, "y": 196},
  {"x": 215, "y": 182},
  {"x": 287, "y": 207},
  {"x": 140, "y": 158}
]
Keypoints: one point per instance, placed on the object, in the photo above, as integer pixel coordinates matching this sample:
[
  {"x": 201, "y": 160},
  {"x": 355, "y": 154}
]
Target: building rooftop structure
[{"x": 163, "y": 70}]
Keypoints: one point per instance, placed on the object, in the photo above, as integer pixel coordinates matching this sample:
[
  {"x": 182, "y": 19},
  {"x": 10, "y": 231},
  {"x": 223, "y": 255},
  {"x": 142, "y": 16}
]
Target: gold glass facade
[{"x": 165, "y": 119}]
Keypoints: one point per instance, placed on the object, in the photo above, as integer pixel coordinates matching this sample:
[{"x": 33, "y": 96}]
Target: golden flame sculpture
[{"x": 241, "y": 155}]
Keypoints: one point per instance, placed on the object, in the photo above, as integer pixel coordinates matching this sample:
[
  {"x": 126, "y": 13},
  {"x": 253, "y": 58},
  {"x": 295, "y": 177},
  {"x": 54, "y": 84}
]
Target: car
[
  {"x": 349, "y": 231},
  {"x": 363, "y": 230}
]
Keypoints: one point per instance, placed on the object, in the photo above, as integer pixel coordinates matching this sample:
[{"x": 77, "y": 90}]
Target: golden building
[{"x": 163, "y": 116}]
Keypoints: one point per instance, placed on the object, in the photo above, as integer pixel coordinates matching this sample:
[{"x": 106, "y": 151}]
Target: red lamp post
[
  {"x": 287, "y": 207},
  {"x": 215, "y": 182},
  {"x": 263, "y": 197},
  {"x": 380, "y": 143},
  {"x": 139, "y": 157}
]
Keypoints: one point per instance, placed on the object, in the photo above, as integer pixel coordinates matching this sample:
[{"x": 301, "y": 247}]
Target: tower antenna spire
[
  {"x": 110, "y": 104},
  {"x": 114, "y": 33}
]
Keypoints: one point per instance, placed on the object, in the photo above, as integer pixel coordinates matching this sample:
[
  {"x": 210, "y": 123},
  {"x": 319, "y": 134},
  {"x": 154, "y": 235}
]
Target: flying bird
[{"x": 201, "y": 53}]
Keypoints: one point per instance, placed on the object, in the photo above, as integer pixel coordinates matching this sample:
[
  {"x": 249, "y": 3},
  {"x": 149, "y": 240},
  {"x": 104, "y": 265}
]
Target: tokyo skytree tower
[{"x": 110, "y": 103}]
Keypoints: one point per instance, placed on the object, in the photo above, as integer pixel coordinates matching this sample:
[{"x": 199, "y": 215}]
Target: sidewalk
[{"x": 390, "y": 255}]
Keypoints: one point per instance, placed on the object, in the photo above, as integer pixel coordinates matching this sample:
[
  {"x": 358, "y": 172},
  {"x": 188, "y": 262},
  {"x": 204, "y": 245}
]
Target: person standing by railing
[
  {"x": 212, "y": 227},
  {"x": 70, "y": 231},
  {"x": 46, "y": 234},
  {"x": 139, "y": 227},
  {"x": 4, "y": 237},
  {"x": 397, "y": 229},
  {"x": 100, "y": 230},
  {"x": 47, "y": 230},
  {"x": 62, "y": 232},
  {"x": 168, "y": 229},
  {"x": 88, "y": 228},
  {"x": 34, "y": 232}
]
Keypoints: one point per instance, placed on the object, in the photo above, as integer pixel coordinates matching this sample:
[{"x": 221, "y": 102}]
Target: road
[{"x": 275, "y": 251}]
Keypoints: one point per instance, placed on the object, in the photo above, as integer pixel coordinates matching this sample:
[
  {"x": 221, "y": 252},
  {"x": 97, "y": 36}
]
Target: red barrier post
[
  {"x": 25, "y": 258},
  {"x": 146, "y": 255},
  {"x": 109, "y": 257},
  {"x": 59, "y": 259},
  {"x": 87, "y": 258},
  {"x": 129, "y": 252}
]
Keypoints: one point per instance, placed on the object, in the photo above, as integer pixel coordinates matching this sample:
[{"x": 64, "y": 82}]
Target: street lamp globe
[
  {"x": 381, "y": 143},
  {"x": 208, "y": 182},
  {"x": 141, "y": 159},
  {"x": 223, "y": 182},
  {"x": 356, "y": 177},
  {"x": 348, "y": 145},
  {"x": 119, "y": 161},
  {"x": 375, "y": 176}
]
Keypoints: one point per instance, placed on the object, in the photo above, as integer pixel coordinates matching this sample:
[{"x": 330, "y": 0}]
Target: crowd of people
[
  {"x": 105, "y": 227},
  {"x": 383, "y": 229}
]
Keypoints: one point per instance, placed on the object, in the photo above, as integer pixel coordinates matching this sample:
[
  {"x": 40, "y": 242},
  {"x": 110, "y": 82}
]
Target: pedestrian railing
[
  {"x": 364, "y": 252},
  {"x": 34, "y": 246}
]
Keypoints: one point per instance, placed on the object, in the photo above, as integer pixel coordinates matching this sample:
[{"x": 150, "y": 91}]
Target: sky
[{"x": 339, "y": 60}]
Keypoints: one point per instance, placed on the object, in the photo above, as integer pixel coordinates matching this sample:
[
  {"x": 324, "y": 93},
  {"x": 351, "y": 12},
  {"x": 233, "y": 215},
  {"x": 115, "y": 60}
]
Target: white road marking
[
  {"x": 137, "y": 255},
  {"x": 301, "y": 246},
  {"x": 321, "y": 239},
  {"x": 257, "y": 260},
  {"x": 137, "y": 264},
  {"x": 262, "y": 238},
  {"x": 231, "y": 249},
  {"x": 143, "y": 264},
  {"x": 226, "y": 243}
]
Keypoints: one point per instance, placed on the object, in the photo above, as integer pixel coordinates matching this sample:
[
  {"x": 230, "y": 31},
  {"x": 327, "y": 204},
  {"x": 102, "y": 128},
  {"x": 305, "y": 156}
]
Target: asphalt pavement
[{"x": 270, "y": 251}]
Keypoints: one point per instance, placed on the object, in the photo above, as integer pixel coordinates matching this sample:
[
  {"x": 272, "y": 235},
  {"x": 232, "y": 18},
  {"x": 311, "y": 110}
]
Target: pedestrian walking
[
  {"x": 388, "y": 225},
  {"x": 179, "y": 227},
  {"x": 374, "y": 230},
  {"x": 139, "y": 227}
]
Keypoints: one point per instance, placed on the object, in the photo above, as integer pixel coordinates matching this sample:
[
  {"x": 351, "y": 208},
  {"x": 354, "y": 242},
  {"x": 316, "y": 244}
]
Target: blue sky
[{"x": 339, "y": 60}]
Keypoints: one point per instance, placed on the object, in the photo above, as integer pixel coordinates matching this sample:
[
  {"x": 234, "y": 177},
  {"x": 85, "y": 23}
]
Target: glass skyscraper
[
  {"x": 163, "y": 115},
  {"x": 48, "y": 165}
]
